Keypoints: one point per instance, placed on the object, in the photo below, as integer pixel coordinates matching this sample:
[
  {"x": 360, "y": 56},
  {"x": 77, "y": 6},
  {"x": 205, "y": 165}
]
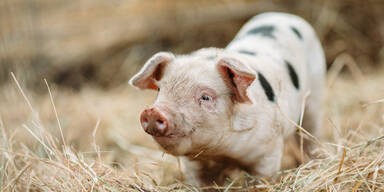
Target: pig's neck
[{"x": 253, "y": 126}]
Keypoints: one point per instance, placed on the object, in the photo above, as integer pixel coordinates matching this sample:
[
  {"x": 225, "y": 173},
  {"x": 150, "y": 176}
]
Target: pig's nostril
[
  {"x": 161, "y": 124},
  {"x": 144, "y": 123}
]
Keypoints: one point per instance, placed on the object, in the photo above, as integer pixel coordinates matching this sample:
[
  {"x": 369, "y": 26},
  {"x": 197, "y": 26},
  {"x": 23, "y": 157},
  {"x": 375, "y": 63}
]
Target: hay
[
  {"x": 85, "y": 139},
  {"x": 125, "y": 159}
]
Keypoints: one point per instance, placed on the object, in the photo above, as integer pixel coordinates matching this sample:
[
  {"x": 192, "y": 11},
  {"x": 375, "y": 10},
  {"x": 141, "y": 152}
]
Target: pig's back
[
  {"x": 284, "y": 47},
  {"x": 280, "y": 36}
]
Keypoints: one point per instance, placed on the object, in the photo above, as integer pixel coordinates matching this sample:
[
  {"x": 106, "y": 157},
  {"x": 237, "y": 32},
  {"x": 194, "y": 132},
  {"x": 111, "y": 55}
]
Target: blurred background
[
  {"x": 88, "y": 49},
  {"x": 104, "y": 42}
]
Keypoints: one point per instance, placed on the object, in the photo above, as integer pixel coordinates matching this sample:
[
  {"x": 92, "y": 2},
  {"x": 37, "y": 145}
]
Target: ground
[{"x": 102, "y": 146}]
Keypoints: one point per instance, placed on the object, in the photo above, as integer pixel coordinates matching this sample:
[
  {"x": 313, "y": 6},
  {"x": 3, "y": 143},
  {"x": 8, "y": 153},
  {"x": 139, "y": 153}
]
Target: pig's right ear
[
  {"x": 152, "y": 71},
  {"x": 237, "y": 76}
]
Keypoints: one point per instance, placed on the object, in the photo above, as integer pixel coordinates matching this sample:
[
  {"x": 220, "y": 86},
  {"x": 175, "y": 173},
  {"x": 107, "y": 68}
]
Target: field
[{"x": 70, "y": 122}]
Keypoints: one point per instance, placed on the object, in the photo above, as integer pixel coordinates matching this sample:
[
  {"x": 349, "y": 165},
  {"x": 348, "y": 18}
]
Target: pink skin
[
  {"x": 192, "y": 113},
  {"x": 165, "y": 121},
  {"x": 195, "y": 112},
  {"x": 216, "y": 111}
]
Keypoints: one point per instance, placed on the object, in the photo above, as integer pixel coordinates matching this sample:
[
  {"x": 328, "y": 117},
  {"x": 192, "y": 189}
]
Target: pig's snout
[{"x": 154, "y": 122}]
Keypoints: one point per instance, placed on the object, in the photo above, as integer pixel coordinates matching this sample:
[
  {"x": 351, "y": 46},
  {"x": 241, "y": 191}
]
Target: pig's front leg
[
  {"x": 269, "y": 163},
  {"x": 191, "y": 171},
  {"x": 207, "y": 172}
]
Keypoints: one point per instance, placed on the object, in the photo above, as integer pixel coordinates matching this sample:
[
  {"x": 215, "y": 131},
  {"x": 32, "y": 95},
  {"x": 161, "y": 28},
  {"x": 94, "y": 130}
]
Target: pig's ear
[
  {"x": 237, "y": 76},
  {"x": 152, "y": 71}
]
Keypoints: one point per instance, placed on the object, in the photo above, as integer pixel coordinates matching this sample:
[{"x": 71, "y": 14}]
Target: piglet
[{"x": 224, "y": 109}]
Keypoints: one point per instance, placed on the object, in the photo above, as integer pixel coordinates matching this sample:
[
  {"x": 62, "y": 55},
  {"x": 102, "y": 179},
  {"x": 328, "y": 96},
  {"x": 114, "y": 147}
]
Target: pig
[{"x": 233, "y": 108}]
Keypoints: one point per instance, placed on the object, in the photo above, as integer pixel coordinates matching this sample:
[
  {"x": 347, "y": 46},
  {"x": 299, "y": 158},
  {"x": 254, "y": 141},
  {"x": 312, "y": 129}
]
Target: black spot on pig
[
  {"x": 297, "y": 32},
  {"x": 247, "y": 52},
  {"x": 264, "y": 30},
  {"x": 293, "y": 75},
  {"x": 267, "y": 87}
]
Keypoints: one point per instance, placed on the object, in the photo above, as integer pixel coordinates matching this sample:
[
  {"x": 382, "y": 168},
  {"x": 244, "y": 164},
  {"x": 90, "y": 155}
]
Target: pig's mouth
[
  {"x": 175, "y": 143},
  {"x": 171, "y": 140},
  {"x": 169, "y": 136}
]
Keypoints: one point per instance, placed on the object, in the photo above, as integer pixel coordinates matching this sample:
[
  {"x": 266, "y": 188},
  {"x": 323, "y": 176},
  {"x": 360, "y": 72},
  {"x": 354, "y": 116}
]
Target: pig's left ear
[
  {"x": 237, "y": 76},
  {"x": 152, "y": 71}
]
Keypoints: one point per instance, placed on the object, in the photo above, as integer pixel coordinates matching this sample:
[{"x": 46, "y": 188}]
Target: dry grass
[
  {"x": 104, "y": 42},
  {"x": 91, "y": 140},
  {"x": 102, "y": 148}
]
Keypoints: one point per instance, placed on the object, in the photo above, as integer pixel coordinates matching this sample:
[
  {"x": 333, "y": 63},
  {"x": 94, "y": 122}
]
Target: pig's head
[{"x": 196, "y": 97}]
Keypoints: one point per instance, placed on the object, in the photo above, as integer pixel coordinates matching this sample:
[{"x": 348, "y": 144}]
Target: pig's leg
[
  {"x": 269, "y": 163},
  {"x": 313, "y": 115},
  {"x": 191, "y": 170},
  {"x": 312, "y": 120},
  {"x": 208, "y": 172}
]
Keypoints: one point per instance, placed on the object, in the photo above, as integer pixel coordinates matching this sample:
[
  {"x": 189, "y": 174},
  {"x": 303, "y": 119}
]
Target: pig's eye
[
  {"x": 206, "y": 98},
  {"x": 158, "y": 89}
]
